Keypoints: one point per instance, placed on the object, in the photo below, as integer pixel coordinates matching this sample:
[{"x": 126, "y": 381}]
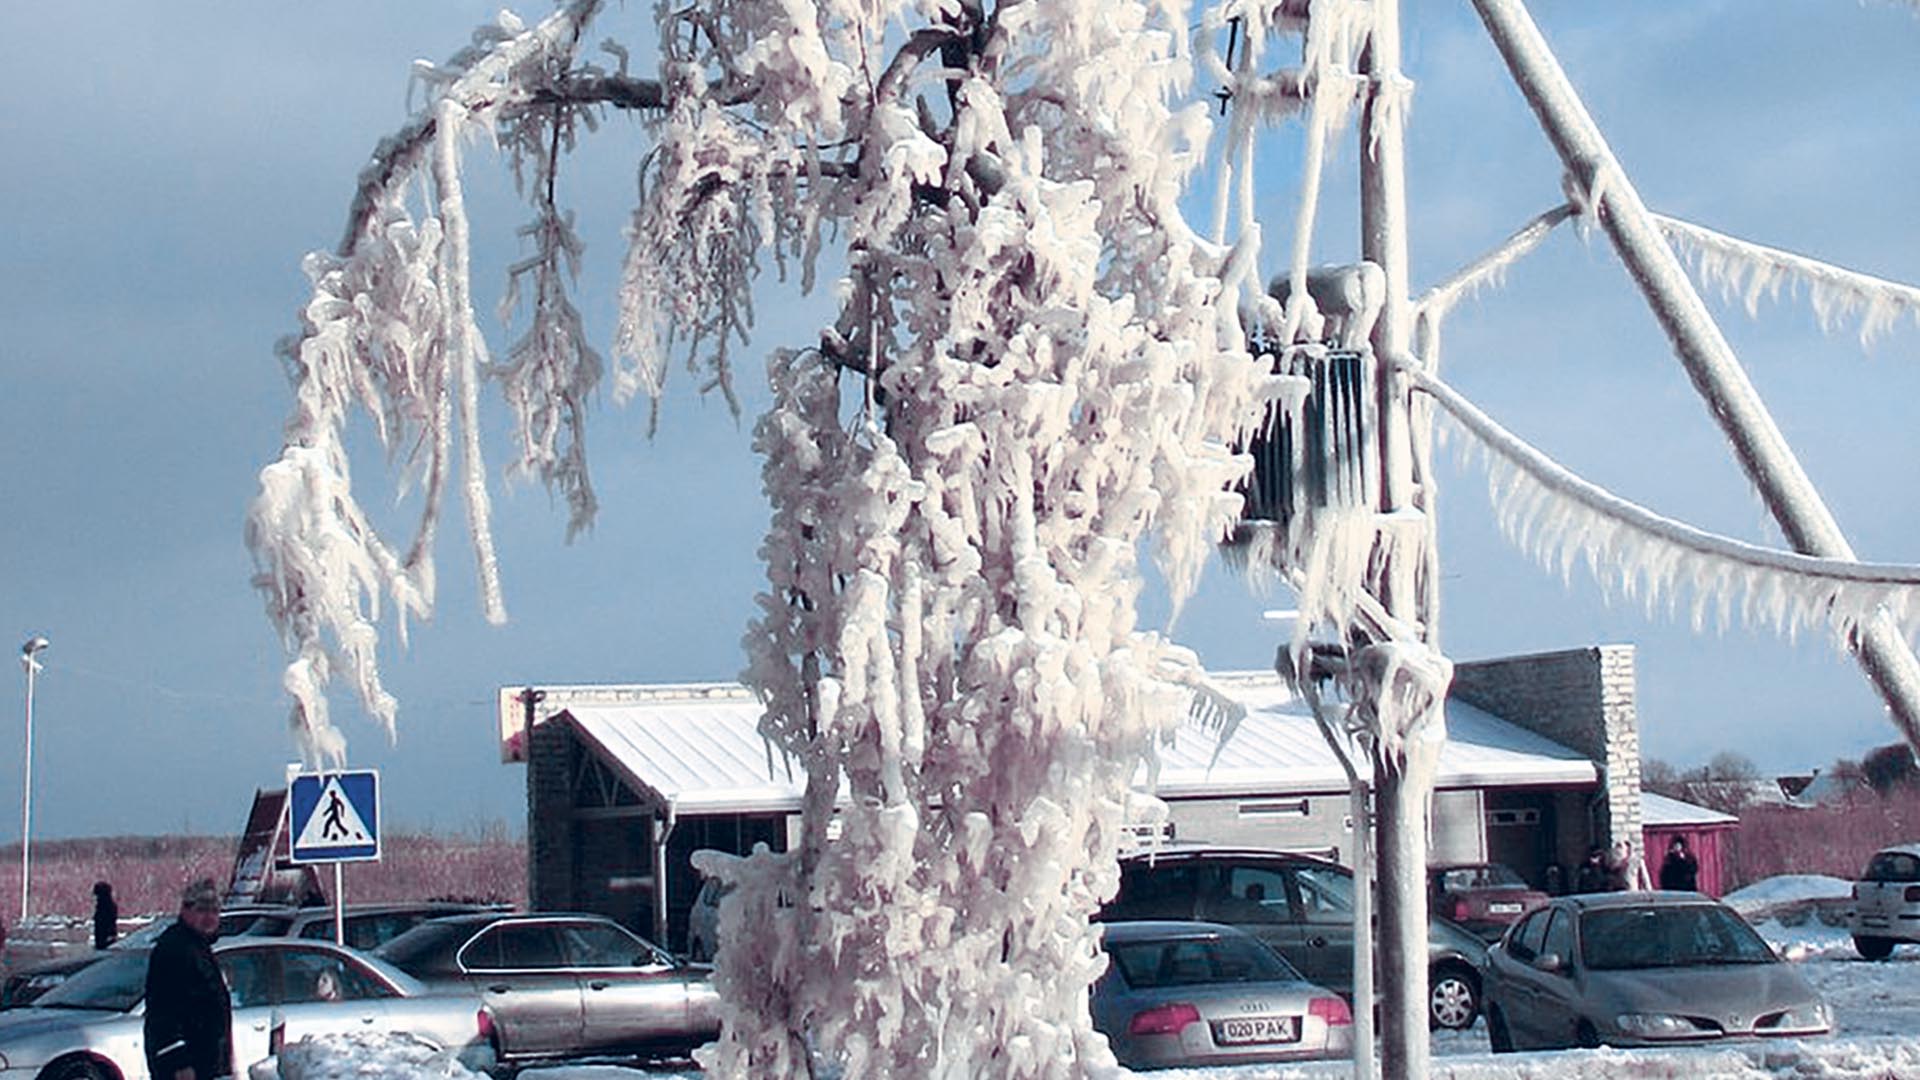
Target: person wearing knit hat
[{"x": 189, "y": 1021}]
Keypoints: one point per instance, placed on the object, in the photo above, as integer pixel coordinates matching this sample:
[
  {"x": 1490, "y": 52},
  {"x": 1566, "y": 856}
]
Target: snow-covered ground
[{"x": 1876, "y": 1008}]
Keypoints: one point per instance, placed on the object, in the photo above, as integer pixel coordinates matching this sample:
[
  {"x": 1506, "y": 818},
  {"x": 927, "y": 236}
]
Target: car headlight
[
  {"x": 1815, "y": 1017},
  {"x": 1656, "y": 1025}
]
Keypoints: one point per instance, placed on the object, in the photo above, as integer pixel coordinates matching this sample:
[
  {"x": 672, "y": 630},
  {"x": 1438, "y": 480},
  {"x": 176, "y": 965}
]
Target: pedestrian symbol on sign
[{"x": 334, "y": 817}]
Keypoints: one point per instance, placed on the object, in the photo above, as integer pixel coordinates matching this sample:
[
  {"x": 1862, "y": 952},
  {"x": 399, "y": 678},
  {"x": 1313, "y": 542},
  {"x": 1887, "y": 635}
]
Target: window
[
  {"x": 1559, "y": 939},
  {"x": 1326, "y": 895},
  {"x": 312, "y": 975},
  {"x": 249, "y": 976},
  {"x": 1253, "y": 894},
  {"x": 1525, "y": 944},
  {"x": 602, "y": 945},
  {"x": 1689, "y": 935},
  {"x": 1895, "y": 867},
  {"x": 1163, "y": 891},
  {"x": 518, "y": 947},
  {"x": 1194, "y": 961}
]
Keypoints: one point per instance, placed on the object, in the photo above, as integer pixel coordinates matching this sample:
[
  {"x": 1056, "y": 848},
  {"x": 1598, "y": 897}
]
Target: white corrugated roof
[
  {"x": 1658, "y": 810},
  {"x": 699, "y": 750},
  {"x": 1278, "y": 738}
]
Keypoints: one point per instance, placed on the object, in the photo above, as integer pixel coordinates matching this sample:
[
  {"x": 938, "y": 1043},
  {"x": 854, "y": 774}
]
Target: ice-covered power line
[
  {"x": 1561, "y": 519},
  {"x": 1752, "y": 271}
]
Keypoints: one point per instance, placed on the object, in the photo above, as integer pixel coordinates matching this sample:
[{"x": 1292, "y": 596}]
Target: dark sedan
[
  {"x": 1641, "y": 969},
  {"x": 555, "y": 986}
]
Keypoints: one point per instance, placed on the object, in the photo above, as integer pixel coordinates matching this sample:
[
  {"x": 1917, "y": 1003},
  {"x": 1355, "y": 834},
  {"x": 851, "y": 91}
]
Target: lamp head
[{"x": 34, "y": 644}]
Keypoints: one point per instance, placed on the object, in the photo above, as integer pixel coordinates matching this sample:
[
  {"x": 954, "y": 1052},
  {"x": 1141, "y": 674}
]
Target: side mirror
[{"x": 1551, "y": 962}]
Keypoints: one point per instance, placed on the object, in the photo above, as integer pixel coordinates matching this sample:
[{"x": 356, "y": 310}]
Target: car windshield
[
  {"x": 1687, "y": 935},
  {"x": 117, "y": 981},
  {"x": 1190, "y": 961},
  {"x": 1893, "y": 867}
]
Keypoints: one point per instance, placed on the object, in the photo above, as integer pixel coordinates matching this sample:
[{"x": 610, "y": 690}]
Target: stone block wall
[
  {"x": 1582, "y": 699},
  {"x": 550, "y": 847}
]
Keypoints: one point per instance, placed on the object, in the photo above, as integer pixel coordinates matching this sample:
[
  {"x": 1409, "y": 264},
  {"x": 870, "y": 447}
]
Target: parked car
[
  {"x": 1484, "y": 897},
  {"x": 1196, "y": 994},
  {"x": 1886, "y": 902},
  {"x": 24, "y": 985},
  {"x": 1641, "y": 969},
  {"x": 367, "y": 926},
  {"x": 1300, "y": 905},
  {"x": 89, "y": 1027},
  {"x": 563, "y": 985}
]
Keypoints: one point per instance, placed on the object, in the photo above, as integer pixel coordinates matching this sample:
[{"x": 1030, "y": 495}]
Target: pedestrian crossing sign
[{"x": 334, "y": 817}]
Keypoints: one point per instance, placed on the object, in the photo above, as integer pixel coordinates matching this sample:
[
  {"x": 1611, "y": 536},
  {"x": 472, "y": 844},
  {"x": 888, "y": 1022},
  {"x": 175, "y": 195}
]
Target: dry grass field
[{"x": 147, "y": 872}]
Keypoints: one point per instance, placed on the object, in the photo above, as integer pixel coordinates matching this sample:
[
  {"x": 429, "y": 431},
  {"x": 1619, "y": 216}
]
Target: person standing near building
[
  {"x": 1626, "y": 870},
  {"x": 1592, "y": 875},
  {"x": 106, "y": 916},
  {"x": 1680, "y": 870},
  {"x": 189, "y": 1022}
]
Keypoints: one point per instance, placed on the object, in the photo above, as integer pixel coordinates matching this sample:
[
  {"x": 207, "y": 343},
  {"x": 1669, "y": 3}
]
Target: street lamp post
[{"x": 28, "y": 653}]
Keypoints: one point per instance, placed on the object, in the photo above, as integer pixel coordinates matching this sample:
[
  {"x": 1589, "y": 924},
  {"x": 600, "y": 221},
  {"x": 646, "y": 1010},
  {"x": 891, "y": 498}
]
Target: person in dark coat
[
  {"x": 1592, "y": 875},
  {"x": 189, "y": 1023},
  {"x": 106, "y": 916},
  {"x": 1680, "y": 870}
]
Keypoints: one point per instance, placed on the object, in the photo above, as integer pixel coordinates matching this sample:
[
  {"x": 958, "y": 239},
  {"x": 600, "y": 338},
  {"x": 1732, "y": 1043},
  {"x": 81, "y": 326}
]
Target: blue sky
[{"x": 168, "y": 165}]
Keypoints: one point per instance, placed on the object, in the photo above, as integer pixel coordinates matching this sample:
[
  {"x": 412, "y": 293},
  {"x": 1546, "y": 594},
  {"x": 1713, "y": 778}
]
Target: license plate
[
  {"x": 1256, "y": 1029},
  {"x": 1504, "y": 909}
]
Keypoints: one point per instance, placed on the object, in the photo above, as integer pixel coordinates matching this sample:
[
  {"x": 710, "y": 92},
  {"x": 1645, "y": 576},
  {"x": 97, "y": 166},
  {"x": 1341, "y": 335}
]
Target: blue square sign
[{"x": 334, "y": 817}]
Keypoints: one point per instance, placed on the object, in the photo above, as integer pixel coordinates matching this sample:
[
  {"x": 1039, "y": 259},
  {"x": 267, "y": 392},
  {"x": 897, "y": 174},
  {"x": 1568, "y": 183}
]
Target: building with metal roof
[{"x": 625, "y": 782}]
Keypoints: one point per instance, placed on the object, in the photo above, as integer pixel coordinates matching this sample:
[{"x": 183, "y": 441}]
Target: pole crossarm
[{"x": 1489, "y": 268}]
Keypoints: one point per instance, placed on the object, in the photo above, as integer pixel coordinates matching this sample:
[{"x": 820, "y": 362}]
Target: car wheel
[
  {"x": 1453, "y": 998},
  {"x": 1873, "y": 948},
  {"x": 78, "y": 1069},
  {"x": 1586, "y": 1037},
  {"x": 1498, "y": 1037}
]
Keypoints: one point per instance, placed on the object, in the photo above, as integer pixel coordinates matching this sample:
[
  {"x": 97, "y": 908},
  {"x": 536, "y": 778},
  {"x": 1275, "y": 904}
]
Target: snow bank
[
  {"x": 1787, "y": 888},
  {"x": 363, "y": 1056}
]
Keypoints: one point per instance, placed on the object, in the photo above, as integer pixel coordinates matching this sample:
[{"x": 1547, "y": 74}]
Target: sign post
[{"x": 335, "y": 818}]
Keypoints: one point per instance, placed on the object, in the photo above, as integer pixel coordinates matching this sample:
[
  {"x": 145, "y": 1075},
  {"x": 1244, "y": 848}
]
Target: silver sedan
[
  {"x": 557, "y": 986},
  {"x": 89, "y": 1027},
  {"x": 1190, "y": 994},
  {"x": 1641, "y": 969}
]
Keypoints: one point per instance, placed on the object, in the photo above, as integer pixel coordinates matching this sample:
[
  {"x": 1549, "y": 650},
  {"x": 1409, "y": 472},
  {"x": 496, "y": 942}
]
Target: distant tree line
[{"x": 1730, "y": 782}]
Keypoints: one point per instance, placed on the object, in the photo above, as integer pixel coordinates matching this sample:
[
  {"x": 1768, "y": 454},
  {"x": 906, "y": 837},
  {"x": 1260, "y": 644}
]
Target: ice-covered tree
[{"x": 1036, "y": 364}]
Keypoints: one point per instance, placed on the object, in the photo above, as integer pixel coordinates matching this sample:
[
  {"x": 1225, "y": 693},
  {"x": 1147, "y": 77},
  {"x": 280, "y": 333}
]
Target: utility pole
[{"x": 1401, "y": 788}]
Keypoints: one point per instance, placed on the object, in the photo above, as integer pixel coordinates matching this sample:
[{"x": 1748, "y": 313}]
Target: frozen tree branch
[{"x": 1752, "y": 271}]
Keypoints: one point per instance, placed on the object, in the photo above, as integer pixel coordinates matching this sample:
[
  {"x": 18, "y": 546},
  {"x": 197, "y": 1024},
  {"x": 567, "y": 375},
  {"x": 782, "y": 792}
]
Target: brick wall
[
  {"x": 1582, "y": 699},
  {"x": 550, "y": 819}
]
